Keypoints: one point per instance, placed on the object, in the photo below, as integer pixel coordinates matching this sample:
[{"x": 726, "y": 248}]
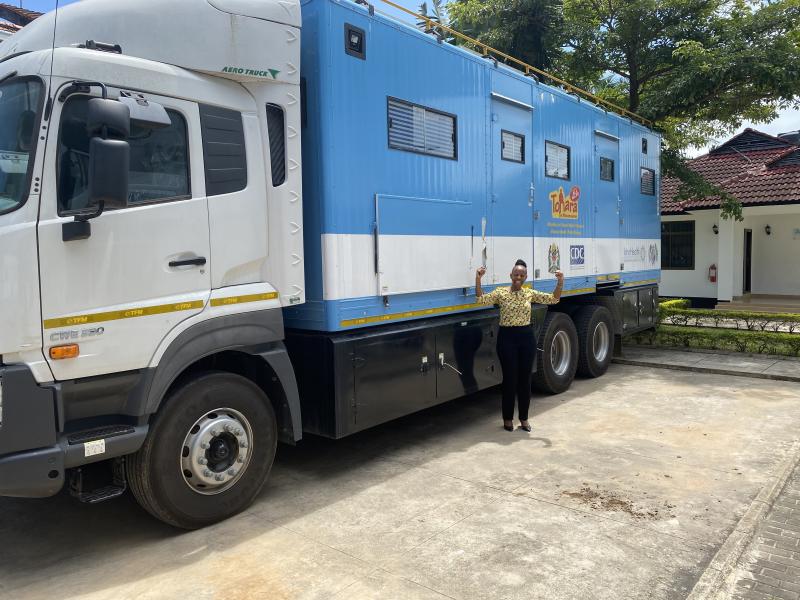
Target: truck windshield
[{"x": 19, "y": 104}]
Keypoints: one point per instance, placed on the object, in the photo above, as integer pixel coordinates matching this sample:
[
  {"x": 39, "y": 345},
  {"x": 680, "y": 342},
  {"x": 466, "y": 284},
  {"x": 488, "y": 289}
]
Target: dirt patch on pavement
[{"x": 598, "y": 499}]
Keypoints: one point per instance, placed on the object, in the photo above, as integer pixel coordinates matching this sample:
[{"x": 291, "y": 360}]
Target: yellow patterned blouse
[{"x": 515, "y": 307}]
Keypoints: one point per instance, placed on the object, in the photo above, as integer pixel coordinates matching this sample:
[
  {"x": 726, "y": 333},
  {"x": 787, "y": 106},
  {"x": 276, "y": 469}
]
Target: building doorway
[{"x": 748, "y": 261}]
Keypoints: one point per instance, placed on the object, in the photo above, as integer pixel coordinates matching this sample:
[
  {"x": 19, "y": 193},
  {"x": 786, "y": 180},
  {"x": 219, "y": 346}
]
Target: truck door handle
[{"x": 198, "y": 262}]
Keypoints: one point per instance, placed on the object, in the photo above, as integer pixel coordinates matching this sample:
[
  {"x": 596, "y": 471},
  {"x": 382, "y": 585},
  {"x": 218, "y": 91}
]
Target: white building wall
[
  {"x": 694, "y": 282},
  {"x": 776, "y": 257}
]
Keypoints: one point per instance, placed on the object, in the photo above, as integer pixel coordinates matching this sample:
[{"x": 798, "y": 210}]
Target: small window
[
  {"x": 677, "y": 245},
  {"x": 556, "y": 160},
  {"x": 644, "y": 145},
  {"x": 606, "y": 169},
  {"x": 419, "y": 129},
  {"x": 159, "y": 160},
  {"x": 512, "y": 147},
  {"x": 277, "y": 143},
  {"x": 224, "y": 152},
  {"x": 648, "y": 182}
]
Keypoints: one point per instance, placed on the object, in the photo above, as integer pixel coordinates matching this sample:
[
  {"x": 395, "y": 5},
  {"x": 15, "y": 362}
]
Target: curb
[
  {"x": 718, "y": 577},
  {"x": 644, "y": 363}
]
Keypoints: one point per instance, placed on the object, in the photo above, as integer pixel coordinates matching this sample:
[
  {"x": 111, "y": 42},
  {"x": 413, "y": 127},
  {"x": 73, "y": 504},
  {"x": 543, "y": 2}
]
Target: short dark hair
[{"x": 520, "y": 263}]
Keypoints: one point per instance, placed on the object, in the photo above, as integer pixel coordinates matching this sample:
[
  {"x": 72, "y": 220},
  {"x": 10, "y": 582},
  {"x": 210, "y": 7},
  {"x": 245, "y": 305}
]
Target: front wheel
[
  {"x": 558, "y": 360},
  {"x": 208, "y": 452}
]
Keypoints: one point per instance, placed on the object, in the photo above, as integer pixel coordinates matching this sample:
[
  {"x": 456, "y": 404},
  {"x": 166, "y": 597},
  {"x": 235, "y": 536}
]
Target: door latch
[
  {"x": 443, "y": 364},
  {"x": 424, "y": 367}
]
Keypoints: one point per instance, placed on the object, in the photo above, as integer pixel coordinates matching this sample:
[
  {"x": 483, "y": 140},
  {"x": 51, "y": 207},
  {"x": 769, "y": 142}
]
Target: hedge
[
  {"x": 756, "y": 342},
  {"x": 751, "y": 321}
]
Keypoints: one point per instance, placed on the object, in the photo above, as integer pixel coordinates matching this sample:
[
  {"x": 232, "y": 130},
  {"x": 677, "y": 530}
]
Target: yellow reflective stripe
[
  {"x": 242, "y": 299},
  {"x": 115, "y": 315},
  {"x": 409, "y": 314},
  {"x": 580, "y": 291},
  {"x": 643, "y": 282},
  {"x": 607, "y": 277}
]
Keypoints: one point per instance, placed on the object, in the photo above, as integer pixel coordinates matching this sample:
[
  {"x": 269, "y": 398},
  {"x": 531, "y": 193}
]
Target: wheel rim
[
  {"x": 216, "y": 451},
  {"x": 600, "y": 343},
  {"x": 560, "y": 354}
]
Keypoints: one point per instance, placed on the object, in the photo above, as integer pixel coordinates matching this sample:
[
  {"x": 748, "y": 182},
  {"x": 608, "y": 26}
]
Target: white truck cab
[{"x": 115, "y": 280}]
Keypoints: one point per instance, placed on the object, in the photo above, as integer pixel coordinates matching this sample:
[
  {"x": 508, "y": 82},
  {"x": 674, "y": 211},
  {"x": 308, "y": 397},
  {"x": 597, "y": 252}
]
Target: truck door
[
  {"x": 512, "y": 187},
  {"x": 142, "y": 270},
  {"x": 607, "y": 204}
]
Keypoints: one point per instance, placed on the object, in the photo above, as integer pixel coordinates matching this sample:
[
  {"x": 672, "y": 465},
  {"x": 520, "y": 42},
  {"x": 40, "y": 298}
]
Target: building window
[
  {"x": 677, "y": 245},
  {"x": 644, "y": 145},
  {"x": 512, "y": 147},
  {"x": 556, "y": 160},
  {"x": 606, "y": 169},
  {"x": 415, "y": 128},
  {"x": 159, "y": 160},
  {"x": 648, "y": 182}
]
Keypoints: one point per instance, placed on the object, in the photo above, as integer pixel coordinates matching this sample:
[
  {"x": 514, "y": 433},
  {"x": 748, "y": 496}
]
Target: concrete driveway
[{"x": 626, "y": 488}]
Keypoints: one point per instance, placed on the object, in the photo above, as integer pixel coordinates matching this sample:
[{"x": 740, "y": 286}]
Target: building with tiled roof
[
  {"x": 713, "y": 260},
  {"x": 13, "y": 18}
]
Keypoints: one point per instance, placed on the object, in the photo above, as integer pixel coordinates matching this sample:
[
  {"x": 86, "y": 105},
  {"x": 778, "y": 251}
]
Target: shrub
[{"x": 756, "y": 342}]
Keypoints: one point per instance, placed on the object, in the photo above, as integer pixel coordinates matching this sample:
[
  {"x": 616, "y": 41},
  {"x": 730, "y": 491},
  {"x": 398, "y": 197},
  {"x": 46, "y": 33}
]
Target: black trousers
[{"x": 516, "y": 348}]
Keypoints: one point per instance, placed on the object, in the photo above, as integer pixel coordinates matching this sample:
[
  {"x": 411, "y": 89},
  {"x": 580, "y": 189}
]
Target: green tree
[{"x": 526, "y": 29}]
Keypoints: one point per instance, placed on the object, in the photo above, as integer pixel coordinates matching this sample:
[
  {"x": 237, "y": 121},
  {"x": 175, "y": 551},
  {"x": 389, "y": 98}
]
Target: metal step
[
  {"x": 96, "y": 477},
  {"x": 99, "y": 433}
]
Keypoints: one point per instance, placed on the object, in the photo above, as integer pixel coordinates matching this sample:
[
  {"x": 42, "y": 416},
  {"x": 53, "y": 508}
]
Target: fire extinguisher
[{"x": 712, "y": 273}]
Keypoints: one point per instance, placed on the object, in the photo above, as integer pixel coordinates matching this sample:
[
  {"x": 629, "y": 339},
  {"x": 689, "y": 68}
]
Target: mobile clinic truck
[{"x": 185, "y": 282}]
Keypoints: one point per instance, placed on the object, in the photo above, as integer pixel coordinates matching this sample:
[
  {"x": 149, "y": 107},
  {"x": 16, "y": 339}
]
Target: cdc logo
[{"x": 576, "y": 256}]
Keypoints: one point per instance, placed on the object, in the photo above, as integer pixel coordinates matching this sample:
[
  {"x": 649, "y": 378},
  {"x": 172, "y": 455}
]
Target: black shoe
[
  {"x": 525, "y": 427},
  {"x": 508, "y": 427}
]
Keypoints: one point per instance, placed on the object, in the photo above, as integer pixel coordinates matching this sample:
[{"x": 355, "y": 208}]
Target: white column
[{"x": 726, "y": 256}]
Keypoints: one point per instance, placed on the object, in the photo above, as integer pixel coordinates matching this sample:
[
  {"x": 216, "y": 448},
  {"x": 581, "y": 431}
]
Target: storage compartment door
[
  {"x": 647, "y": 307},
  {"x": 425, "y": 244},
  {"x": 466, "y": 360},
  {"x": 630, "y": 310},
  {"x": 394, "y": 376}
]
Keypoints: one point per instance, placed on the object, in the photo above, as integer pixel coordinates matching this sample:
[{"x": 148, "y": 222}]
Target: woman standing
[{"x": 516, "y": 345}]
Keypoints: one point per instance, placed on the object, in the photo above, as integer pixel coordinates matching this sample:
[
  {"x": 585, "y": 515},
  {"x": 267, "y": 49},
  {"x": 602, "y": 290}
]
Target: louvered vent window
[
  {"x": 512, "y": 147},
  {"x": 556, "y": 160},
  {"x": 419, "y": 129},
  {"x": 648, "y": 182},
  {"x": 606, "y": 169},
  {"x": 277, "y": 143}
]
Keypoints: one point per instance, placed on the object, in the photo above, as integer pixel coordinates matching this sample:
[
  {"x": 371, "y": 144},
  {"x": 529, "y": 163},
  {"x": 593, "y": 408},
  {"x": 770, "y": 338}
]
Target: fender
[{"x": 257, "y": 333}]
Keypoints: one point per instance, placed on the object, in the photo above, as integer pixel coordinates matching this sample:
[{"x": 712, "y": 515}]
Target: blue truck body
[{"x": 394, "y": 232}]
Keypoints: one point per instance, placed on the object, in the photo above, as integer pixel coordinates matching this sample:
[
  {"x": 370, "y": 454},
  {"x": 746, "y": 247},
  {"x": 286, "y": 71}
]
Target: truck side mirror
[{"x": 108, "y": 123}]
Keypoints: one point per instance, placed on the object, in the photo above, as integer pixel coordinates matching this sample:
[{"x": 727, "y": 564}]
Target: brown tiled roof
[
  {"x": 10, "y": 27},
  {"x": 754, "y": 167},
  {"x": 25, "y": 15}
]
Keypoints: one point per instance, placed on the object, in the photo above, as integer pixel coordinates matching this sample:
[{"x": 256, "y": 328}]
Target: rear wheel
[
  {"x": 595, "y": 339},
  {"x": 208, "y": 453},
  {"x": 558, "y": 360}
]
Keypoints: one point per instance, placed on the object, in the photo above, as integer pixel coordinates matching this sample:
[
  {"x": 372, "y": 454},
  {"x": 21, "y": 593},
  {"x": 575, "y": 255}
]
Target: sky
[{"x": 788, "y": 120}]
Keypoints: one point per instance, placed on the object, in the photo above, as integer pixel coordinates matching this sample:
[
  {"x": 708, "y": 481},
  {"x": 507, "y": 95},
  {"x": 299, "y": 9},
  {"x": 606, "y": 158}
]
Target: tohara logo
[
  {"x": 577, "y": 256},
  {"x": 563, "y": 206}
]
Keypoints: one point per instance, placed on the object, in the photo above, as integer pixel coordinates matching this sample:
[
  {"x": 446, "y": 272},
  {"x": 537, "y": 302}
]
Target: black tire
[
  {"x": 559, "y": 343},
  {"x": 595, "y": 340},
  {"x": 156, "y": 472}
]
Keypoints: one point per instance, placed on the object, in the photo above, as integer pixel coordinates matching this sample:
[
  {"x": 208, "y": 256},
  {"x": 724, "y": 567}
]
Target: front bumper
[{"x": 33, "y": 456}]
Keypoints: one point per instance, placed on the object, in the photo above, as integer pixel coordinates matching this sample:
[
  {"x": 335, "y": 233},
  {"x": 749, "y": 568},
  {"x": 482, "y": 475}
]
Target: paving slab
[{"x": 626, "y": 488}]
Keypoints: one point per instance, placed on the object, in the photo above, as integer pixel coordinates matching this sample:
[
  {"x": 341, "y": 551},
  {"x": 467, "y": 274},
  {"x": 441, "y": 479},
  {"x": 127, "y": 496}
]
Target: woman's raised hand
[{"x": 480, "y": 272}]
